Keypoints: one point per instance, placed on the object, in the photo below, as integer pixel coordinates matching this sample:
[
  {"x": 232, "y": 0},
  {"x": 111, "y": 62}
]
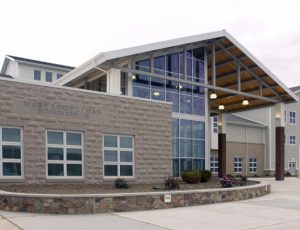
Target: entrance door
[{"x": 292, "y": 168}]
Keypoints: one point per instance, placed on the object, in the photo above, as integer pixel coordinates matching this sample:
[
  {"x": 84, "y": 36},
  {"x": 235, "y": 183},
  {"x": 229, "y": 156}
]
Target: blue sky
[{"x": 70, "y": 32}]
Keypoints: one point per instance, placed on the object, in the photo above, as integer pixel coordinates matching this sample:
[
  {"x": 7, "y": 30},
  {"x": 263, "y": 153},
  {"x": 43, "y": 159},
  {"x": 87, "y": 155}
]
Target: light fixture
[
  {"x": 180, "y": 86},
  {"x": 133, "y": 77},
  {"x": 156, "y": 93},
  {"x": 213, "y": 95},
  {"x": 221, "y": 107},
  {"x": 245, "y": 102}
]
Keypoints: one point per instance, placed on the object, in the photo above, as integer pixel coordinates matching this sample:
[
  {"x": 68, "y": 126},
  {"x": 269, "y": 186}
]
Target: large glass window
[
  {"x": 188, "y": 145},
  {"x": 118, "y": 156},
  {"x": 10, "y": 152},
  {"x": 186, "y": 99},
  {"x": 64, "y": 154}
]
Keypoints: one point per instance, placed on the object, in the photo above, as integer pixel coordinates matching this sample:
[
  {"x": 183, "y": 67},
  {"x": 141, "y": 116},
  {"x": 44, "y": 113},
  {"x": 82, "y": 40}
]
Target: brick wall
[{"x": 36, "y": 108}]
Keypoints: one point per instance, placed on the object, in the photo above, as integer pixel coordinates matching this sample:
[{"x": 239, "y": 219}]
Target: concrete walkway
[{"x": 279, "y": 210}]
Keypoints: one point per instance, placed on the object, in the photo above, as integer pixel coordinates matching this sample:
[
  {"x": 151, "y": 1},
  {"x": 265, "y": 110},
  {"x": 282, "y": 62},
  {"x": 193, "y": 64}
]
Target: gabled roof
[
  {"x": 295, "y": 88},
  {"x": 253, "y": 72},
  {"x": 27, "y": 60},
  {"x": 40, "y": 62},
  {"x": 237, "y": 120}
]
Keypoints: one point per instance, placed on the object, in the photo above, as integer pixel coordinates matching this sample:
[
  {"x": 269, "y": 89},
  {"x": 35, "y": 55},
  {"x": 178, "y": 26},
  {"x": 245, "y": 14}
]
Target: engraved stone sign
[{"x": 32, "y": 106}]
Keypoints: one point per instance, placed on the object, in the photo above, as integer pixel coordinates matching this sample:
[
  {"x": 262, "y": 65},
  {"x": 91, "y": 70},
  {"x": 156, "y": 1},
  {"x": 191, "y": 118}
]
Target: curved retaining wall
[{"x": 102, "y": 203}]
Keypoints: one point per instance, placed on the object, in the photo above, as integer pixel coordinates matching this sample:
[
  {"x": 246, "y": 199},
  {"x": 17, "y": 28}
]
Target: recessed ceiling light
[
  {"x": 221, "y": 107},
  {"x": 213, "y": 96},
  {"x": 245, "y": 102}
]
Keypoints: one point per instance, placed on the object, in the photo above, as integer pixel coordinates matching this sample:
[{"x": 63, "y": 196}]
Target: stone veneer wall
[
  {"x": 36, "y": 108},
  {"x": 83, "y": 204}
]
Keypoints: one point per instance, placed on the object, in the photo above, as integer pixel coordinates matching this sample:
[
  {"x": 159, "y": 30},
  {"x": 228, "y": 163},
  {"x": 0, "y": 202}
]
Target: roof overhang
[{"x": 233, "y": 72}]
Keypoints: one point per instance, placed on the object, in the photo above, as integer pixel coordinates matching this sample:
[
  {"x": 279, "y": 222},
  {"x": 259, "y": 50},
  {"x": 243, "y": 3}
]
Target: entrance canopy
[{"x": 233, "y": 74}]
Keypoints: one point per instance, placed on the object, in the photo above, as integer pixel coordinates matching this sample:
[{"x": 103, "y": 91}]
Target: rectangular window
[
  {"x": 37, "y": 75},
  {"x": 10, "y": 152},
  {"x": 292, "y": 117},
  {"x": 48, "y": 76},
  {"x": 64, "y": 154},
  {"x": 292, "y": 140},
  {"x": 238, "y": 164},
  {"x": 118, "y": 156},
  {"x": 215, "y": 124},
  {"x": 252, "y": 165},
  {"x": 186, "y": 99},
  {"x": 214, "y": 164},
  {"x": 59, "y": 75}
]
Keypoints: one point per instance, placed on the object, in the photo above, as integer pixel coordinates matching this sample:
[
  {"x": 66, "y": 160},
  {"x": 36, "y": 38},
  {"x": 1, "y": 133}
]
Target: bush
[
  {"x": 205, "y": 175},
  {"x": 226, "y": 182},
  {"x": 241, "y": 180},
  {"x": 121, "y": 184},
  {"x": 191, "y": 176},
  {"x": 288, "y": 174},
  {"x": 172, "y": 183}
]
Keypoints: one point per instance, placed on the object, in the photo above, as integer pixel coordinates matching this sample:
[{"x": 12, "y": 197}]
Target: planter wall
[{"x": 103, "y": 203}]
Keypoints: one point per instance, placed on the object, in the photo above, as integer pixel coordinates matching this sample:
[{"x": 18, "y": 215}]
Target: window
[
  {"x": 252, "y": 165},
  {"x": 59, "y": 75},
  {"x": 11, "y": 152},
  {"x": 214, "y": 164},
  {"x": 186, "y": 99},
  {"x": 64, "y": 154},
  {"x": 49, "y": 76},
  {"x": 37, "y": 75},
  {"x": 238, "y": 164},
  {"x": 292, "y": 117},
  {"x": 215, "y": 124},
  {"x": 118, "y": 156},
  {"x": 292, "y": 140},
  {"x": 188, "y": 145}
]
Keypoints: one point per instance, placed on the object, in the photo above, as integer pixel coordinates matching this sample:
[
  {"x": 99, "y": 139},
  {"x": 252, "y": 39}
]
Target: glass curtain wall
[{"x": 188, "y": 134}]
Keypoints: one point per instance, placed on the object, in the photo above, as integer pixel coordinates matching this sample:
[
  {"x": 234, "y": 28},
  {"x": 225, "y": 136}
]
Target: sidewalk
[{"x": 279, "y": 210}]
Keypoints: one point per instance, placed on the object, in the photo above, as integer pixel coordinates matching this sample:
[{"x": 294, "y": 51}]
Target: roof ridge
[{"x": 40, "y": 62}]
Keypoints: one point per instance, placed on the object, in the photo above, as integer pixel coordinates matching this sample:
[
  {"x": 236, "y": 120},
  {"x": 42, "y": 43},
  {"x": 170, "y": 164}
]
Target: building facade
[
  {"x": 246, "y": 146},
  {"x": 33, "y": 70},
  {"x": 141, "y": 113}
]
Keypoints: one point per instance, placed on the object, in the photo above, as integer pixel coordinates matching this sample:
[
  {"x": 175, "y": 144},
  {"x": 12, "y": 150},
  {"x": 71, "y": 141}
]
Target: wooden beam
[{"x": 244, "y": 66}]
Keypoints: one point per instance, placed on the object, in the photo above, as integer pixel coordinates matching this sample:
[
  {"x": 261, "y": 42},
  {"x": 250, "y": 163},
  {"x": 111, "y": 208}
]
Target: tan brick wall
[{"x": 149, "y": 122}]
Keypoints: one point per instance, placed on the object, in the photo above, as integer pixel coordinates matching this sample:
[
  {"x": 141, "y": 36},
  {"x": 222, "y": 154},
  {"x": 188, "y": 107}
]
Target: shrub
[
  {"x": 288, "y": 174},
  {"x": 172, "y": 183},
  {"x": 226, "y": 182},
  {"x": 241, "y": 180},
  {"x": 121, "y": 184},
  {"x": 205, "y": 175},
  {"x": 191, "y": 176}
]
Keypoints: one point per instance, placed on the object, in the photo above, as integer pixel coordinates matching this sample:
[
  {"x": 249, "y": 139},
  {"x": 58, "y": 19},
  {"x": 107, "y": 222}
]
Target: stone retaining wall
[{"x": 103, "y": 203}]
